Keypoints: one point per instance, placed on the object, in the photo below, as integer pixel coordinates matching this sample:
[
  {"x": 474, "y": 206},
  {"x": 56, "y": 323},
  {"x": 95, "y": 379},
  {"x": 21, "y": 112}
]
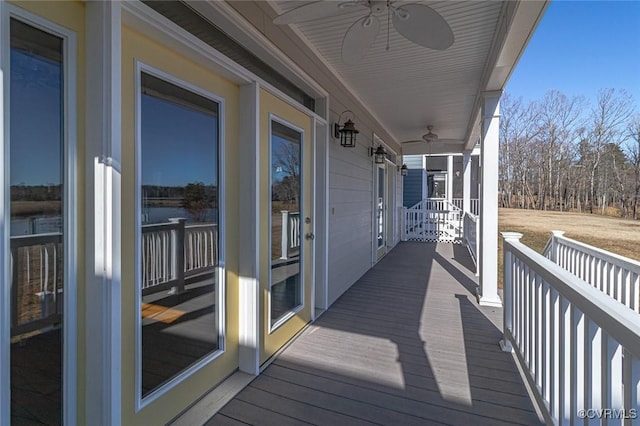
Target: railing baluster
[
  {"x": 546, "y": 342},
  {"x": 539, "y": 332},
  {"x": 566, "y": 357},
  {"x": 594, "y": 366},
  {"x": 555, "y": 350},
  {"x": 631, "y": 381},
  {"x": 578, "y": 356},
  {"x": 530, "y": 320},
  {"x": 614, "y": 390}
]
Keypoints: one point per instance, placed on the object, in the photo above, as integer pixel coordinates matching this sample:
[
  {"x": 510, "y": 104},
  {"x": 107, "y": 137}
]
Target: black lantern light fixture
[
  {"x": 379, "y": 154},
  {"x": 346, "y": 132},
  {"x": 404, "y": 170}
]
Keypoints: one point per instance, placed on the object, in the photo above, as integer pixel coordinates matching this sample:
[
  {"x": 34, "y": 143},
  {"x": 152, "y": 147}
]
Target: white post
[
  {"x": 466, "y": 182},
  {"x": 284, "y": 239},
  {"x": 488, "y": 290},
  {"x": 554, "y": 245},
  {"x": 477, "y": 242},
  {"x": 103, "y": 393},
  {"x": 509, "y": 237},
  {"x": 450, "y": 178},
  {"x": 403, "y": 223}
]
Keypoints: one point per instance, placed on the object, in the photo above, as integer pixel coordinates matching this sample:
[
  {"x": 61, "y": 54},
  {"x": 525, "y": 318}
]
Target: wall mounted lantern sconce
[
  {"x": 346, "y": 132},
  {"x": 404, "y": 170},
  {"x": 378, "y": 154}
]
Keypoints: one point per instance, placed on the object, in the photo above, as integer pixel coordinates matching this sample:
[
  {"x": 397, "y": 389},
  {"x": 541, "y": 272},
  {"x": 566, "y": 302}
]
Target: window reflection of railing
[
  {"x": 37, "y": 281},
  {"x": 174, "y": 251},
  {"x": 290, "y": 245}
]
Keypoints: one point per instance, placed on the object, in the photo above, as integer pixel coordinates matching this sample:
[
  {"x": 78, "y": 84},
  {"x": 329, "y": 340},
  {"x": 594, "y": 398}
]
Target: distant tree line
[
  {"x": 562, "y": 153},
  {"x": 159, "y": 192},
  {"x": 36, "y": 192}
]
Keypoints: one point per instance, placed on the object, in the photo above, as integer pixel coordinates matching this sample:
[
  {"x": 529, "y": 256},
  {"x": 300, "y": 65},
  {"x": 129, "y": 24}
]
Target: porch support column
[
  {"x": 102, "y": 373},
  {"x": 488, "y": 291},
  {"x": 450, "y": 178},
  {"x": 249, "y": 267},
  {"x": 466, "y": 182}
]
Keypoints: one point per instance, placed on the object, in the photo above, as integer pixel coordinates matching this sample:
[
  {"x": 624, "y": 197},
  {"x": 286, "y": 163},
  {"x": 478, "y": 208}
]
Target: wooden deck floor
[{"x": 407, "y": 344}]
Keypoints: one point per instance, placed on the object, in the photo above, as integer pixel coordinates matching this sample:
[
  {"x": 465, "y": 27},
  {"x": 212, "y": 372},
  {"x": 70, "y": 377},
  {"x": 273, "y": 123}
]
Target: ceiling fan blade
[
  {"x": 423, "y": 25},
  {"x": 359, "y": 38},
  {"x": 416, "y": 141},
  {"x": 312, "y": 11}
]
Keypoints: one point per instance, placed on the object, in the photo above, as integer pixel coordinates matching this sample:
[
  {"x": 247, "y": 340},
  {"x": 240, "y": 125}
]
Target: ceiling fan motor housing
[{"x": 378, "y": 6}]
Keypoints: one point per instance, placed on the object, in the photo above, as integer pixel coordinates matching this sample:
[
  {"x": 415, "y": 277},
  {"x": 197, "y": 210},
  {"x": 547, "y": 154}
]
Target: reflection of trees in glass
[
  {"x": 197, "y": 200},
  {"x": 286, "y": 163}
]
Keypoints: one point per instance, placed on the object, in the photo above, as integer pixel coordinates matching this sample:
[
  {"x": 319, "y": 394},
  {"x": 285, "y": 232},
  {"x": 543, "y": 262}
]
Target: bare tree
[
  {"x": 632, "y": 149},
  {"x": 560, "y": 122},
  {"x": 609, "y": 116},
  {"x": 518, "y": 127}
]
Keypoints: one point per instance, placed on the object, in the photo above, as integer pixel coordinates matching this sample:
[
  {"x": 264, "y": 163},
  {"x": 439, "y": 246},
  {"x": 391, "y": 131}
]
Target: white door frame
[{"x": 70, "y": 126}]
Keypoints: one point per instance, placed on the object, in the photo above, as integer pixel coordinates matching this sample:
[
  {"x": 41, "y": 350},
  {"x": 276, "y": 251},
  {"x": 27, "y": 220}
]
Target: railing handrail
[
  {"x": 613, "y": 258},
  {"x": 35, "y": 239},
  {"x": 622, "y": 324}
]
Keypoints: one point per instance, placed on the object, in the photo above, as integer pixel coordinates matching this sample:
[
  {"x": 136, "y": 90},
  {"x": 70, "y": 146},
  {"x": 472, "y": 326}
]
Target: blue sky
[{"x": 581, "y": 47}]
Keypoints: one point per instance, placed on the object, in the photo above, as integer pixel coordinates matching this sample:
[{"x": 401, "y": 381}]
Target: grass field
[{"x": 620, "y": 236}]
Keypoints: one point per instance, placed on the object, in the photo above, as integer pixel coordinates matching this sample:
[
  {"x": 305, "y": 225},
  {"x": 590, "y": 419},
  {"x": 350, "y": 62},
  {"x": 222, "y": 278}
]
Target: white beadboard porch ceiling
[{"x": 409, "y": 86}]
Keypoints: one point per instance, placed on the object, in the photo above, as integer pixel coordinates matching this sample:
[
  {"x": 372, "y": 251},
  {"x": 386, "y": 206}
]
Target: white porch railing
[
  {"x": 615, "y": 275},
  {"x": 36, "y": 282},
  {"x": 432, "y": 220},
  {"x": 471, "y": 233},
  {"x": 580, "y": 352},
  {"x": 474, "y": 206},
  {"x": 290, "y": 243},
  {"x": 172, "y": 252},
  {"x": 200, "y": 248}
]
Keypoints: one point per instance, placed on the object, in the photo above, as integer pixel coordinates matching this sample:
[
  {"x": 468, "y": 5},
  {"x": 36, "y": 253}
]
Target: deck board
[{"x": 406, "y": 344}]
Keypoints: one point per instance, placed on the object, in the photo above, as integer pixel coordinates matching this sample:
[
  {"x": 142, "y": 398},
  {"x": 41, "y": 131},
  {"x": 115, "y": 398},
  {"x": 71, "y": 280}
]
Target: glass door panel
[
  {"x": 286, "y": 226},
  {"x": 37, "y": 188},
  {"x": 179, "y": 232},
  {"x": 381, "y": 205},
  {"x": 437, "y": 185}
]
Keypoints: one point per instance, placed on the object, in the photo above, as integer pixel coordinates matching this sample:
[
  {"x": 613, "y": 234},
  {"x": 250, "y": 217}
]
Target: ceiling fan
[
  {"x": 430, "y": 137},
  {"x": 414, "y": 21}
]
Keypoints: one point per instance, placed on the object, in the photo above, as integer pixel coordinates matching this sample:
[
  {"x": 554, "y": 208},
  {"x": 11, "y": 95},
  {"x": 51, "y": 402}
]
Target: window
[
  {"x": 179, "y": 233},
  {"x": 286, "y": 226}
]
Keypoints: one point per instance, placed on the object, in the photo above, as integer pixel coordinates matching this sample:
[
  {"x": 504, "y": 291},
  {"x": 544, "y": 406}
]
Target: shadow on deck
[{"x": 406, "y": 344}]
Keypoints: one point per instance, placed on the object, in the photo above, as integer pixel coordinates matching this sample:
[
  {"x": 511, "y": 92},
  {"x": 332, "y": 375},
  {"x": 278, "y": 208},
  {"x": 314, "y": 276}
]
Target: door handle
[{"x": 309, "y": 236}]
